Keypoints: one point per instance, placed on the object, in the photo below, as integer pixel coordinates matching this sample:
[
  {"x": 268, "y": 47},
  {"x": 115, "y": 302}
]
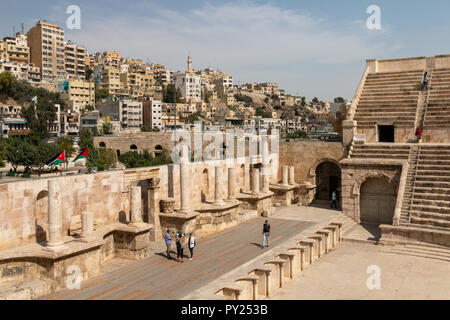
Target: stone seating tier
[
  {"x": 379, "y": 151},
  {"x": 431, "y": 191},
  {"x": 389, "y": 97},
  {"x": 438, "y": 110}
]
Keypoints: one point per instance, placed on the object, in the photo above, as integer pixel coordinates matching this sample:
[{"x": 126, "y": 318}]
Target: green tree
[
  {"x": 134, "y": 159},
  {"x": 6, "y": 81},
  {"x": 3, "y": 151},
  {"x": 171, "y": 94},
  {"x": 144, "y": 128},
  {"x": 303, "y": 103},
  {"x": 101, "y": 94},
  {"x": 40, "y": 117},
  {"x": 106, "y": 128},
  {"x": 315, "y": 100},
  {"x": 89, "y": 73},
  {"x": 259, "y": 112},
  {"x": 66, "y": 143},
  {"x": 103, "y": 158},
  {"x": 155, "y": 129}
]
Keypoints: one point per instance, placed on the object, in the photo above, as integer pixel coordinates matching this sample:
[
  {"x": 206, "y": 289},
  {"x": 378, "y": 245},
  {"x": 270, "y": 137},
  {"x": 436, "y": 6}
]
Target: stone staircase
[
  {"x": 422, "y": 250},
  {"x": 379, "y": 151},
  {"x": 429, "y": 187},
  {"x": 437, "y": 113},
  {"x": 389, "y": 97},
  {"x": 411, "y": 179}
]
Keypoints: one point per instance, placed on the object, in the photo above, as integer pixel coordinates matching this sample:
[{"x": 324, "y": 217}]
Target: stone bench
[
  {"x": 339, "y": 225},
  {"x": 249, "y": 284},
  {"x": 320, "y": 248},
  {"x": 278, "y": 275},
  {"x": 309, "y": 245},
  {"x": 327, "y": 234},
  {"x": 300, "y": 257},
  {"x": 264, "y": 279},
  {"x": 231, "y": 292},
  {"x": 289, "y": 266},
  {"x": 334, "y": 237}
]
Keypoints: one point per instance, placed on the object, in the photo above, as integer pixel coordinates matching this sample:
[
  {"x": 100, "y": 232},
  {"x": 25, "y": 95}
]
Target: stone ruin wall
[
  {"x": 305, "y": 156},
  {"x": 24, "y": 204}
]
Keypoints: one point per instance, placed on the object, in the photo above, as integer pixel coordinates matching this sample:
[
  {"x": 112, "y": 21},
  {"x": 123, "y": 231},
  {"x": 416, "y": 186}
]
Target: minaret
[{"x": 189, "y": 62}]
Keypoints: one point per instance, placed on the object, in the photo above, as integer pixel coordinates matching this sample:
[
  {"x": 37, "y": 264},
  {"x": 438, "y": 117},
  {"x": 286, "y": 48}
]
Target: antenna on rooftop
[
  {"x": 14, "y": 30},
  {"x": 23, "y": 28}
]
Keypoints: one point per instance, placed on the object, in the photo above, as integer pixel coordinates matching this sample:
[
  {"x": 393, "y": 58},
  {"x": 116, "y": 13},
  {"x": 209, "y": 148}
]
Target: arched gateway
[
  {"x": 377, "y": 201},
  {"x": 328, "y": 179}
]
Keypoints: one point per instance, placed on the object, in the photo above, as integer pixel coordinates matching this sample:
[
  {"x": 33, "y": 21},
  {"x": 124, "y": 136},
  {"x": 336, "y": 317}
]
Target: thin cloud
[{"x": 236, "y": 36}]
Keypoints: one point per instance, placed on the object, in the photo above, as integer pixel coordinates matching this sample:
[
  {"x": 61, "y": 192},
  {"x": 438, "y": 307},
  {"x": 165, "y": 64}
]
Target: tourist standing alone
[
  {"x": 419, "y": 134},
  {"x": 179, "y": 244},
  {"x": 334, "y": 199},
  {"x": 191, "y": 243},
  {"x": 168, "y": 239},
  {"x": 266, "y": 234},
  {"x": 426, "y": 80}
]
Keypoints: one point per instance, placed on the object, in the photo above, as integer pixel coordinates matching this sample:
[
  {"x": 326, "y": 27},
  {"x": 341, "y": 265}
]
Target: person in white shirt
[{"x": 191, "y": 243}]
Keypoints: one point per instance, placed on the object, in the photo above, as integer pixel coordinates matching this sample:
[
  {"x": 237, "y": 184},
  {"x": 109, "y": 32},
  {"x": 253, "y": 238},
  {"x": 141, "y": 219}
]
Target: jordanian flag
[
  {"x": 83, "y": 155},
  {"x": 60, "y": 159}
]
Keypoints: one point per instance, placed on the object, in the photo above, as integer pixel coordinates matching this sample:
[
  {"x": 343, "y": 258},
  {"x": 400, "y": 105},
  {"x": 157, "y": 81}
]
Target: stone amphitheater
[
  {"x": 389, "y": 176},
  {"x": 385, "y": 176}
]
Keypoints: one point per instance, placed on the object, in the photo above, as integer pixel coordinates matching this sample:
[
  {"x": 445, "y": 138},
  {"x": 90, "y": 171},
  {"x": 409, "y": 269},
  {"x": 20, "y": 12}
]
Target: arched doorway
[
  {"x": 328, "y": 179},
  {"x": 102, "y": 145},
  {"x": 377, "y": 201},
  {"x": 133, "y": 147}
]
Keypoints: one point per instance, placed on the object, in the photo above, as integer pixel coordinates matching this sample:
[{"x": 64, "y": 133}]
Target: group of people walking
[
  {"x": 180, "y": 239},
  {"x": 179, "y": 242}
]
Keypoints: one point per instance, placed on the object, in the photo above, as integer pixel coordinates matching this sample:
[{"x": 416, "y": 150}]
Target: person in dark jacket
[
  {"x": 266, "y": 234},
  {"x": 179, "y": 243}
]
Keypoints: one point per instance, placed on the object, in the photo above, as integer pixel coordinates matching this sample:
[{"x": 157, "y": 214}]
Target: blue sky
[{"x": 311, "y": 48}]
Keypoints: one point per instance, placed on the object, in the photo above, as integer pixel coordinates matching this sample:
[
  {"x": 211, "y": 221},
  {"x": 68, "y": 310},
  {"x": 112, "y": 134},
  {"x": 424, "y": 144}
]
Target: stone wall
[
  {"x": 354, "y": 175},
  {"x": 305, "y": 156},
  {"x": 24, "y": 205}
]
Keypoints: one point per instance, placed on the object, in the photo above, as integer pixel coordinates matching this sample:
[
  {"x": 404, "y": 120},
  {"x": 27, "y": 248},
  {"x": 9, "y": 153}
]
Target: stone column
[
  {"x": 291, "y": 175},
  {"x": 55, "y": 240},
  {"x": 87, "y": 225},
  {"x": 217, "y": 186},
  {"x": 135, "y": 205},
  {"x": 185, "y": 183},
  {"x": 255, "y": 181},
  {"x": 284, "y": 175},
  {"x": 231, "y": 184}
]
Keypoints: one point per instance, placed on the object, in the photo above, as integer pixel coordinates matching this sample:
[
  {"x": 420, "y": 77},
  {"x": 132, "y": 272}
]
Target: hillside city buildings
[{"x": 127, "y": 94}]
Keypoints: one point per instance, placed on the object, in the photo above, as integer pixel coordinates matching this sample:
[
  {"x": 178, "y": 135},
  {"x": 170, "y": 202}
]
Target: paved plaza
[
  {"x": 411, "y": 272},
  {"x": 156, "y": 277}
]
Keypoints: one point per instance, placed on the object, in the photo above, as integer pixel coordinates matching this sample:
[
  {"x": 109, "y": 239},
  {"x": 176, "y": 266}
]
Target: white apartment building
[
  {"x": 130, "y": 115},
  {"x": 152, "y": 113},
  {"x": 75, "y": 61},
  {"x": 189, "y": 83}
]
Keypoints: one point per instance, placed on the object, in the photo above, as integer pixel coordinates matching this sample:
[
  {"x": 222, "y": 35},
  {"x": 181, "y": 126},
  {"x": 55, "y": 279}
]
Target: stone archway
[
  {"x": 133, "y": 147},
  {"x": 102, "y": 144},
  {"x": 377, "y": 201},
  {"x": 328, "y": 179}
]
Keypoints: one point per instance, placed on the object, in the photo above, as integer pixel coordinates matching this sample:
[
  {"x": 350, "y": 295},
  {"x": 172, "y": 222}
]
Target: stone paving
[
  {"x": 156, "y": 277},
  {"x": 405, "y": 273}
]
